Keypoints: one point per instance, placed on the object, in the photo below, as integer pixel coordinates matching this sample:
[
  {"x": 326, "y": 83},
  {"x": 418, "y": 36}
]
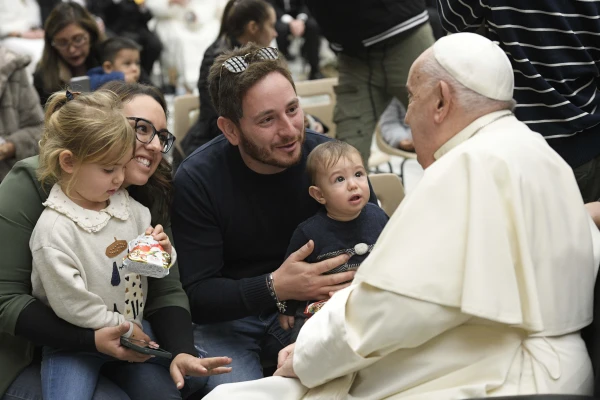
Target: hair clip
[{"x": 69, "y": 95}]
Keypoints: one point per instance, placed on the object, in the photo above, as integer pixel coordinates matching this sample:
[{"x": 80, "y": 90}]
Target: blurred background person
[
  {"x": 294, "y": 21},
  {"x": 21, "y": 30},
  {"x": 71, "y": 48},
  {"x": 186, "y": 28},
  {"x": 21, "y": 116},
  {"x": 129, "y": 18}
]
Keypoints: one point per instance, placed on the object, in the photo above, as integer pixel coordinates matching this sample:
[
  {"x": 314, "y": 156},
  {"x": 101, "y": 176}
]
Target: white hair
[{"x": 469, "y": 100}]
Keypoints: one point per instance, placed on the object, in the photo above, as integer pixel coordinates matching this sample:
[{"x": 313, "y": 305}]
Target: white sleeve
[
  {"x": 362, "y": 324},
  {"x": 160, "y": 8},
  {"x": 67, "y": 292}
]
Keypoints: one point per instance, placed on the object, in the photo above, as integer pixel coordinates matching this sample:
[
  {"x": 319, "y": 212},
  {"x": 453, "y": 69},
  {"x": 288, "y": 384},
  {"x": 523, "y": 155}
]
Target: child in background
[
  {"x": 79, "y": 241},
  {"x": 120, "y": 59},
  {"x": 347, "y": 223}
]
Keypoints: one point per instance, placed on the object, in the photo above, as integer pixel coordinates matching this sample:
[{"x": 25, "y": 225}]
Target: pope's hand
[{"x": 285, "y": 362}]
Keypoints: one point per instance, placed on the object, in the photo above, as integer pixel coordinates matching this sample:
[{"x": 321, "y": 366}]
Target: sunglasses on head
[{"x": 238, "y": 64}]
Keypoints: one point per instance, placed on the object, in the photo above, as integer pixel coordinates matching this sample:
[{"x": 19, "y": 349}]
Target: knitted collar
[{"x": 89, "y": 220}]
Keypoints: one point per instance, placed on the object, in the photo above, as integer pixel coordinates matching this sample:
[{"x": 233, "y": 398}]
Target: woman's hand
[
  {"x": 161, "y": 237},
  {"x": 108, "y": 341},
  {"x": 186, "y": 364},
  {"x": 285, "y": 362}
]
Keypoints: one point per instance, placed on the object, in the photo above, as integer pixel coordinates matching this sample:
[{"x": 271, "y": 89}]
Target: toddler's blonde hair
[{"x": 92, "y": 126}]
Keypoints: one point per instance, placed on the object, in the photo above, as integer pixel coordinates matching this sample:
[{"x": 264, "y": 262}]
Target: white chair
[
  {"x": 186, "y": 110},
  {"x": 389, "y": 191},
  {"x": 386, "y": 148},
  {"x": 317, "y": 98}
]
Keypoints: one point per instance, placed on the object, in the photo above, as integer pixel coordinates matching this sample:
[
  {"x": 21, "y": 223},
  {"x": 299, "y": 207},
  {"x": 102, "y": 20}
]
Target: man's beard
[{"x": 265, "y": 155}]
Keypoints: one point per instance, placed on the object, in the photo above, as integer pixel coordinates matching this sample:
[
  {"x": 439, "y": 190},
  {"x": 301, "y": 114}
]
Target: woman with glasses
[
  {"x": 26, "y": 322},
  {"x": 71, "y": 48}
]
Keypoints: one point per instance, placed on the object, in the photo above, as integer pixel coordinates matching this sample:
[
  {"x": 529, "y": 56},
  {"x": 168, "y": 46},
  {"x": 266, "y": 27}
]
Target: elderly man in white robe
[{"x": 482, "y": 279}]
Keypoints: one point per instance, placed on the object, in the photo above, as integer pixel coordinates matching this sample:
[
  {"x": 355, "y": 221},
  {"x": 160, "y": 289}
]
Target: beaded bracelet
[{"x": 280, "y": 304}]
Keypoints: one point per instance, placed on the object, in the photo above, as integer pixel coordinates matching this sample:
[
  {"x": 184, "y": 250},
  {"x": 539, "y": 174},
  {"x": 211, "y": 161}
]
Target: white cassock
[{"x": 477, "y": 287}]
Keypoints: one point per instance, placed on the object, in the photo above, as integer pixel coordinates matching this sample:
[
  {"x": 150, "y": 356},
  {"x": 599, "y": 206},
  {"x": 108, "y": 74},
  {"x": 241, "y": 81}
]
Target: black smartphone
[
  {"x": 80, "y": 84},
  {"x": 141, "y": 346}
]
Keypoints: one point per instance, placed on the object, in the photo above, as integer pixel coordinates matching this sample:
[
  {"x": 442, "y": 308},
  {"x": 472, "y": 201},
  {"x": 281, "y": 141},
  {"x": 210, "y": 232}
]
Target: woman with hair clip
[
  {"x": 26, "y": 322},
  {"x": 243, "y": 21},
  {"x": 71, "y": 39}
]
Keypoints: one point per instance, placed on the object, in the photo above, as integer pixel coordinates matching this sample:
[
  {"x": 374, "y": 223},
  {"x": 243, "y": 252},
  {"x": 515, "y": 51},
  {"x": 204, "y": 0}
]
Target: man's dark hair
[
  {"x": 227, "y": 89},
  {"x": 110, "y": 48}
]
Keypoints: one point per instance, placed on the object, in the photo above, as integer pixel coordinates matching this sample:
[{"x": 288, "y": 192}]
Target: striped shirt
[{"x": 554, "y": 48}]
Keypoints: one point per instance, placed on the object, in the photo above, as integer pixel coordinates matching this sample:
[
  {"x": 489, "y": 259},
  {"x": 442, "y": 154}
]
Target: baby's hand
[
  {"x": 286, "y": 321},
  {"x": 161, "y": 237}
]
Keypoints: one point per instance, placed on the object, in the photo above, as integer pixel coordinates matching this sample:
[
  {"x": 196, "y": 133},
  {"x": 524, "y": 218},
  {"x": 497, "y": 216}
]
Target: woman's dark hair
[
  {"x": 62, "y": 15},
  {"x": 157, "y": 194},
  {"x": 238, "y": 13}
]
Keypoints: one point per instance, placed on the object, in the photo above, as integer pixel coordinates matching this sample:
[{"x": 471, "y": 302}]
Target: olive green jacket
[{"x": 21, "y": 198}]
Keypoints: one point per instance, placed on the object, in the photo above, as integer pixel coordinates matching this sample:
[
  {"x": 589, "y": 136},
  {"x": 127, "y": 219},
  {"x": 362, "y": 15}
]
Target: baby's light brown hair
[
  {"x": 92, "y": 126},
  {"x": 325, "y": 156}
]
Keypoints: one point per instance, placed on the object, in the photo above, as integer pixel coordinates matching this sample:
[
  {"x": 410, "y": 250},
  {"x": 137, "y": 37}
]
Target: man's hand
[
  {"x": 285, "y": 362},
  {"x": 286, "y": 321},
  {"x": 186, "y": 364},
  {"x": 297, "y": 27},
  {"x": 299, "y": 280},
  {"x": 108, "y": 341},
  {"x": 593, "y": 209},
  {"x": 160, "y": 236}
]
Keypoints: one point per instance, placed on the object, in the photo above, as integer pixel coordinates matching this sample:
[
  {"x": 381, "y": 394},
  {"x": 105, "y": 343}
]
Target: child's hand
[
  {"x": 286, "y": 321},
  {"x": 185, "y": 364},
  {"x": 160, "y": 236}
]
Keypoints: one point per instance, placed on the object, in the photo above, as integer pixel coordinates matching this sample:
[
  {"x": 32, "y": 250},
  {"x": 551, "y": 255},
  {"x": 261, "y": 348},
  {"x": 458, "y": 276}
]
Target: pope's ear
[{"x": 444, "y": 100}]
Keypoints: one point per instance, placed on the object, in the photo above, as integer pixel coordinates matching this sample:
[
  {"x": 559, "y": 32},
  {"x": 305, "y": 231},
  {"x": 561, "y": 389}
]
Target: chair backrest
[
  {"x": 317, "y": 97},
  {"x": 389, "y": 191},
  {"x": 386, "y": 148},
  {"x": 185, "y": 112}
]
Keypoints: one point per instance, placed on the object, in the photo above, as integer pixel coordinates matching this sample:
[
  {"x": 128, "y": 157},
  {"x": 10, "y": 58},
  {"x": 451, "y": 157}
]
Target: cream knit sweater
[{"x": 77, "y": 272}]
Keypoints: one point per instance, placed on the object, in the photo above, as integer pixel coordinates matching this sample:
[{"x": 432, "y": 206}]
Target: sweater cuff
[
  {"x": 38, "y": 324},
  {"x": 286, "y": 18},
  {"x": 256, "y": 293},
  {"x": 172, "y": 327},
  {"x": 302, "y": 17}
]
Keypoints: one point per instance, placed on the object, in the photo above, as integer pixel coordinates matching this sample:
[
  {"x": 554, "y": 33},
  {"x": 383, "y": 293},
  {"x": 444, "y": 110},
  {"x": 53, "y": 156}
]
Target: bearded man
[{"x": 237, "y": 201}]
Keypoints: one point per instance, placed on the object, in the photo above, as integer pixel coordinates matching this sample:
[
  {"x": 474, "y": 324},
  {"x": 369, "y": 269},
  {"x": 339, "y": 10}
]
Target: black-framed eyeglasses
[
  {"x": 238, "y": 64},
  {"x": 145, "y": 132}
]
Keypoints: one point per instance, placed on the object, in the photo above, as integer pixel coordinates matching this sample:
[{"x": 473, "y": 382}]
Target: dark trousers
[{"x": 312, "y": 41}]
